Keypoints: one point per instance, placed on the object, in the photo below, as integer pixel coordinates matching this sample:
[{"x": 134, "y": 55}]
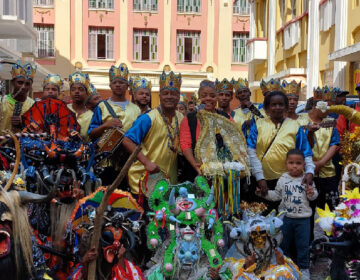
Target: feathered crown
[
  {"x": 27, "y": 71},
  {"x": 170, "y": 81},
  {"x": 53, "y": 80},
  {"x": 271, "y": 85},
  {"x": 325, "y": 94},
  {"x": 291, "y": 89},
  {"x": 79, "y": 78},
  {"x": 224, "y": 85},
  {"x": 138, "y": 82},
  {"x": 121, "y": 72},
  {"x": 240, "y": 84}
]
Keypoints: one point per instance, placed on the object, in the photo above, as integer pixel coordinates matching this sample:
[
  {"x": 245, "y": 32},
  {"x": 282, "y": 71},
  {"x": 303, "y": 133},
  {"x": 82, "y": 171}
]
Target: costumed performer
[
  {"x": 181, "y": 107},
  {"x": 79, "y": 92},
  {"x": 15, "y": 104},
  {"x": 158, "y": 134},
  {"x": 52, "y": 86},
  {"x": 94, "y": 98},
  {"x": 269, "y": 141},
  {"x": 266, "y": 88},
  {"x": 141, "y": 93},
  {"x": 224, "y": 97}
]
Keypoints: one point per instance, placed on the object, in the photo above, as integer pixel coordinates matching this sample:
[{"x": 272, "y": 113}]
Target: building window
[
  {"x": 45, "y": 40},
  {"x": 293, "y": 8},
  {"x": 282, "y": 12},
  {"x": 188, "y": 46},
  {"x": 101, "y": 4},
  {"x": 145, "y": 45},
  {"x": 43, "y": 3},
  {"x": 101, "y": 43},
  {"x": 239, "y": 47},
  {"x": 189, "y": 6},
  {"x": 145, "y": 5},
  {"x": 241, "y": 7}
]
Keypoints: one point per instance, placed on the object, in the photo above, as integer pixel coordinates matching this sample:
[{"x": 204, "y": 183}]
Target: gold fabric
[
  {"x": 263, "y": 112},
  {"x": 303, "y": 119},
  {"x": 322, "y": 139},
  {"x": 84, "y": 121},
  {"x": 273, "y": 162},
  {"x": 155, "y": 148},
  {"x": 240, "y": 117},
  {"x": 7, "y": 110},
  {"x": 127, "y": 117}
]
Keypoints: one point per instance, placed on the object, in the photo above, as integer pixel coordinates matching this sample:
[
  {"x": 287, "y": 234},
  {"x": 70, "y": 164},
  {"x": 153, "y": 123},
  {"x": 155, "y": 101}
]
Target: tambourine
[{"x": 148, "y": 181}]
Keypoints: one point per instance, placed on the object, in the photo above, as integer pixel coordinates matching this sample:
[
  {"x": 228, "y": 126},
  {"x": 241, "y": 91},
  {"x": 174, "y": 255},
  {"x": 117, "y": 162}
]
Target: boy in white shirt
[{"x": 295, "y": 197}]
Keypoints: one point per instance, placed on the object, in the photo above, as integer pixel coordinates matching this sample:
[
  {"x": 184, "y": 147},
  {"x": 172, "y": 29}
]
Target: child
[{"x": 295, "y": 198}]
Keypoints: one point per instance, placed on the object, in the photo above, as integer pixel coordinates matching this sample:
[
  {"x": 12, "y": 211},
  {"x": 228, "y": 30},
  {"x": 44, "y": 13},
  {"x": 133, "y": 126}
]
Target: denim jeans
[{"x": 297, "y": 230}]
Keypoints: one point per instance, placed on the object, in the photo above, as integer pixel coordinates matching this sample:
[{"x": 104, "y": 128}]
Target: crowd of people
[{"x": 207, "y": 178}]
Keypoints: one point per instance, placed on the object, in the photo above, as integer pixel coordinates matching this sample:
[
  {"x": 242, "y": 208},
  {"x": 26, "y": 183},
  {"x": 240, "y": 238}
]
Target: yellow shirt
[
  {"x": 84, "y": 121},
  {"x": 273, "y": 159},
  {"x": 155, "y": 146},
  {"x": 303, "y": 119},
  {"x": 7, "y": 110},
  {"x": 240, "y": 117},
  {"x": 322, "y": 138}
]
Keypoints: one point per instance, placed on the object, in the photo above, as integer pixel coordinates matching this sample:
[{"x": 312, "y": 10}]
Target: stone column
[{"x": 271, "y": 37}]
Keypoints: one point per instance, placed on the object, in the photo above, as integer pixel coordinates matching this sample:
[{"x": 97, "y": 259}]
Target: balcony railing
[{"x": 256, "y": 50}]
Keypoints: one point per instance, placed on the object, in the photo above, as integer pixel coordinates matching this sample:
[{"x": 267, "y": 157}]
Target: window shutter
[
  {"x": 109, "y": 45},
  {"x": 92, "y": 45},
  {"x": 153, "y": 46},
  {"x": 137, "y": 45},
  {"x": 196, "y": 47},
  {"x": 180, "y": 47}
]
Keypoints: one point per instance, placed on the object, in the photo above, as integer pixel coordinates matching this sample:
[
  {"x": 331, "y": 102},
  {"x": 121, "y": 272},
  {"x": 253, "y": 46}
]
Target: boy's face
[{"x": 295, "y": 165}]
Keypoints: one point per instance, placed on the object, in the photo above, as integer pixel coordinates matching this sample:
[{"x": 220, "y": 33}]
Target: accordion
[{"x": 111, "y": 140}]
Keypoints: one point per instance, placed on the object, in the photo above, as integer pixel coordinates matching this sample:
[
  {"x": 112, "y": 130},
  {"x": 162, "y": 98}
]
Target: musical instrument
[
  {"x": 111, "y": 140},
  {"x": 326, "y": 124},
  {"x": 255, "y": 111}
]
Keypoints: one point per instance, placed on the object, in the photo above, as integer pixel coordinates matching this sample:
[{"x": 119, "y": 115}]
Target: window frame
[
  {"x": 47, "y": 4},
  {"x": 180, "y": 44},
  {"x": 238, "y": 37},
  {"x": 185, "y": 4},
  {"x": 239, "y": 10},
  {"x": 109, "y": 40},
  {"x": 140, "y": 6},
  {"x": 46, "y": 30},
  {"x": 105, "y": 7},
  {"x": 138, "y": 34}
]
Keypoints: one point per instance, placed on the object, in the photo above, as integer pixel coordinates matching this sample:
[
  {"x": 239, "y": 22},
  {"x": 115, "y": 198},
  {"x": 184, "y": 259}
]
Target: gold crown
[
  {"x": 137, "y": 82},
  {"x": 27, "y": 71},
  {"x": 291, "y": 89},
  {"x": 121, "y": 72},
  {"x": 170, "y": 81},
  {"x": 53, "y": 80},
  {"x": 92, "y": 90},
  {"x": 271, "y": 85},
  {"x": 240, "y": 84},
  {"x": 224, "y": 85},
  {"x": 79, "y": 78},
  {"x": 325, "y": 94}
]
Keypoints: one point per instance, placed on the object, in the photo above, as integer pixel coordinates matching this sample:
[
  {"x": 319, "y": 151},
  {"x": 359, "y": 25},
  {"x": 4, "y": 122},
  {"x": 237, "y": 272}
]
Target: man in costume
[
  {"x": 94, "y": 98},
  {"x": 79, "y": 92},
  {"x": 51, "y": 86},
  {"x": 141, "y": 92},
  {"x": 158, "y": 134},
  {"x": 116, "y": 111},
  {"x": 14, "y": 105},
  {"x": 266, "y": 88},
  {"x": 224, "y": 96}
]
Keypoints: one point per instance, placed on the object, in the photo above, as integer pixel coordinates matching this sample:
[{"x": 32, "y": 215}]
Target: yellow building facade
[{"x": 315, "y": 41}]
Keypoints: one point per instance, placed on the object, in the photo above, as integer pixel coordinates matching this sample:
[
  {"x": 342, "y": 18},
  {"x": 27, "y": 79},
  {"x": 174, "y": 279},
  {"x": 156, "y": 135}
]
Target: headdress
[
  {"x": 79, "y": 78},
  {"x": 92, "y": 90},
  {"x": 271, "y": 85},
  {"x": 121, "y": 72},
  {"x": 170, "y": 81},
  {"x": 27, "y": 71},
  {"x": 291, "y": 89},
  {"x": 325, "y": 94},
  {"x": 240, "y": 84},
  {"x": 224, "y": 85},
  {"x": 137, "y": 82},
  {"x": 53, "y": 80}
]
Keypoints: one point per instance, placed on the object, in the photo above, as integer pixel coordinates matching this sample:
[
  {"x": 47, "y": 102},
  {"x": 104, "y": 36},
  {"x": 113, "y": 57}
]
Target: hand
[
  {"x": 313, "y": 127},
  {"x": 250, "y": 260},
  {"x": 214, "y": 273},
  {"x": 197, "y": 168},
  {"x": 77, "y": 193},
  {"x": 308, "y": 179},
  {"x": 112, "y": 123},
  {"x": 248, "y": 123},
  {"x": 152, "y": 167},
  {"x": 89, "y": 256},
  {"x": 263, "y": 188},
  {"x": 121, "y": 252},
  {"x": 16, "y": 121},
  {"x": 279, "y": 257},
  {"x": 310, "y": 191}
]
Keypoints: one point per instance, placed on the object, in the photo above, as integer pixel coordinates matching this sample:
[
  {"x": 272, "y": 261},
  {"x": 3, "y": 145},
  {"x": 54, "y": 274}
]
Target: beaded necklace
[{"x": 172, "y": 137}]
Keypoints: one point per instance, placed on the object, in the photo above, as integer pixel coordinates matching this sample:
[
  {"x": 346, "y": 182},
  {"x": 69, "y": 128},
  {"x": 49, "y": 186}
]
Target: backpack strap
[{"x": 110, "y": 109}]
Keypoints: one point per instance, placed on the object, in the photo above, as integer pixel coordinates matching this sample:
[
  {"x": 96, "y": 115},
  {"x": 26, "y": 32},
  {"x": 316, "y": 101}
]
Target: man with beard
[
  {"x": 141, "y": 92},
  {"x": 158, "y": 134},
  {"x": 14, "y": 105}
]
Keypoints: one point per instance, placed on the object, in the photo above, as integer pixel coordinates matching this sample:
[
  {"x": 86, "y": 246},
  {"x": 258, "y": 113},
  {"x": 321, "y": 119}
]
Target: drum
[{"x": 111, "y": 140}]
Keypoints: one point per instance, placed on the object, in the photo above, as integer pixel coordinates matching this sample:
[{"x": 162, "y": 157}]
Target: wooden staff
[
  {"x": 101, "y": 209},
  {"x": 17, "y": 162}
]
